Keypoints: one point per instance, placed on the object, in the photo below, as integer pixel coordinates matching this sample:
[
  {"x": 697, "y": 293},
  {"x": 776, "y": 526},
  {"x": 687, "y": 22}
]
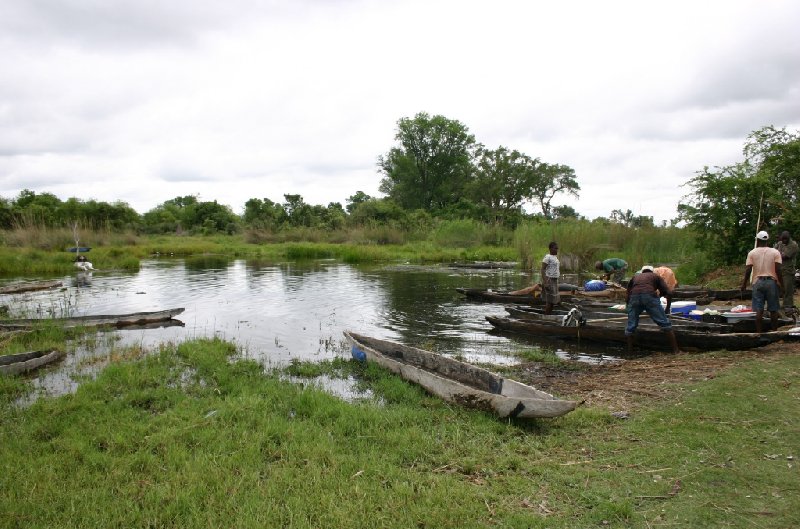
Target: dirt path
[{"x": 622, "y": 387}]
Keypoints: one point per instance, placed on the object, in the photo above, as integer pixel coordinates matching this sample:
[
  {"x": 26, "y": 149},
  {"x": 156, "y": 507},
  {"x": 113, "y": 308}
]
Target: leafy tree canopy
[
  {"x": 728, "y": 205},
  {"x": 431, "y": 166}
]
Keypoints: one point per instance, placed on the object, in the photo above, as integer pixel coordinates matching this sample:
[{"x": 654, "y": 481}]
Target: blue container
[
  {"x": 358, "y": 354},
  {"x": 594, "y": 285}
]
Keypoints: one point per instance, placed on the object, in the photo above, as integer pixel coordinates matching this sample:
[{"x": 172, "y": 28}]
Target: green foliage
[
  {"x": 469, "y": 233},
  {"x": 432, "y": 165},
  {"x": 728, "y": 205},
  {"x": 192, "y": 436},
  {"x": 588, "y": 241},
  {"x": 188, "y": 214},
  {"x": 32, "y": 210}
]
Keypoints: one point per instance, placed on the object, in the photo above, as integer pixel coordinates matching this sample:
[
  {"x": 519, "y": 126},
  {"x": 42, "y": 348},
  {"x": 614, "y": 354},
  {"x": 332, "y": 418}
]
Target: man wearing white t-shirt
[
  {"x": 765, "y": 265},
  {"x": 550, "y": 272}
]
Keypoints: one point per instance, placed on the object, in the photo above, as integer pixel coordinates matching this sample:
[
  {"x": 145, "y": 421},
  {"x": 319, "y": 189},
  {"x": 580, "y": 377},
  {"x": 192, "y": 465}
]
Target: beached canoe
[
  {"x": 459, "y": 382},
  {"x": 18, "y": 363},
  {"x": 647, "y": 336},
  {"x": 29, "y": 286},
  {"x": 102, "y": 320}
]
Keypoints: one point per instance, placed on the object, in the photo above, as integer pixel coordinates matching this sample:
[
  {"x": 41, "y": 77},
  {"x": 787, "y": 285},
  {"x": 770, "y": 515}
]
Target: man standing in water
[
  {"x": 550, "y": 273},
  {"x": 644, "y": 295},
  {"x": 765, "y": 265},
  {"x": 788, "y": 250}
]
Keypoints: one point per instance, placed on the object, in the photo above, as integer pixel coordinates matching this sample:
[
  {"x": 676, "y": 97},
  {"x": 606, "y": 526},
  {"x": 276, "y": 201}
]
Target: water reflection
[{"x": 281, "y": 311}]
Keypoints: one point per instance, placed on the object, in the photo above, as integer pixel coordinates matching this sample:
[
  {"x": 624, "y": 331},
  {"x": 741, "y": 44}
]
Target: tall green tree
[
  {"x": 728, "y": 205},
  {"x": 551, "y": 180},
  {"x": 507, "y": 179},
  {"x": 431, "y": 166},
  {"x": 504, "y": 179},
  {"x": 776, "y": 154},
  {"x": 264, "y": 214}
]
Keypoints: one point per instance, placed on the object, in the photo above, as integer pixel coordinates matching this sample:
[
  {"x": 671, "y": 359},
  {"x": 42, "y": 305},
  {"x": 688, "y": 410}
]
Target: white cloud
[{"x": 144, "y": 101}]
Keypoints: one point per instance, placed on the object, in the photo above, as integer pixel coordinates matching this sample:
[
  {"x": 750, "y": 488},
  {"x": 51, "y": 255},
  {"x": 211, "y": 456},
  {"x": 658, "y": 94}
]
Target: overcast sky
[{"x": 146, "y": 100}]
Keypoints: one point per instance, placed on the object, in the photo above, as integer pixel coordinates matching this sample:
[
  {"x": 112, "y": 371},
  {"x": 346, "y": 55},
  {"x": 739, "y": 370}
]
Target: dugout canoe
[
  {"x": 646, "y": 336},
  {"x": 458, "y": 382},
  {"x": 730, "y": 294},
  {"x": 18, "y": 363},
  {"x": 610, "y": 316},
  {"x": 486, "y": 265},
  {"x": 101, "y": 320},
  {"x": 29, "y": 286},
  {"x": 502, "y": 296}
]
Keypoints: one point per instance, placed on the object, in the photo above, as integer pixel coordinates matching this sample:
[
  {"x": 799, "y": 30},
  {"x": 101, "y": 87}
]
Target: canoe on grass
[
  {"x": 29, "y": 286},
  {"x": 18, "y": 363},
  {"x": 645, "y": 336},
  {"x": 103, "y": 320},
  {"x": 459, "y": 382}
]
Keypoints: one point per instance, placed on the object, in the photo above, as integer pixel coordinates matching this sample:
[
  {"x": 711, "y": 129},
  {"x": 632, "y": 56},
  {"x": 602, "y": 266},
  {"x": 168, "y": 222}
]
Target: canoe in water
[
  {"x": 645, "y": 336},
  {"x": 101, "y": 320}
]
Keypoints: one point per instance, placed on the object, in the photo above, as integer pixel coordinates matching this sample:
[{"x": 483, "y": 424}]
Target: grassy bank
[{"x": 186, "y": 438}]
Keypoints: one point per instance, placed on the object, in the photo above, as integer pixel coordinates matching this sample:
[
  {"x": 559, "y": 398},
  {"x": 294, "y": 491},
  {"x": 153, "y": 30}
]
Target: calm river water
[{"x": 277, "y": 312}]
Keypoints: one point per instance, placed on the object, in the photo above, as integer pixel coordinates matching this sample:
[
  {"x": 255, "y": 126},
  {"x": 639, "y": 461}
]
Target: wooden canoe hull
[
  {"x": 458, "y": 382},
  {"x": 486, "y": 265},
  {"x": 103, "y": 320},
  {"x": 609, "y": 316},
  {"x": 19, "y": 363},
  {"x": 17, "y": 288},
  {"x": 645, "y": 336},
  {"x": 479, "y": 294}
]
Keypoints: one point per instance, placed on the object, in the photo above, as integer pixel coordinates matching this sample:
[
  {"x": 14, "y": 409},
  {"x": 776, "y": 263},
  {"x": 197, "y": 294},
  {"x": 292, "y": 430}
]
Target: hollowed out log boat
[
  {"x": 610, "y": 316},
  {"x": 500, "y": 296},
  {"x": 29, "y": 286},
  {"x": 649, "y": 336},
  {"x": 458, "y": 382},
  {"x": 18, "y": 363},
  {"x": 102, "y": 320}
]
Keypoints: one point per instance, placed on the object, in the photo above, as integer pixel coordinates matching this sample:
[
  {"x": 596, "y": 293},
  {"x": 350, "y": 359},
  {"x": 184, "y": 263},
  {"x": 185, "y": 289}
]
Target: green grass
[
  {"x": 186, "y": 437},
  {"x": 41, "y": 251}
]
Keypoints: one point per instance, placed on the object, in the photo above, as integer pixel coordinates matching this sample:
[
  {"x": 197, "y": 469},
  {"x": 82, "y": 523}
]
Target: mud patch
[{"x": 624, "y": 386}]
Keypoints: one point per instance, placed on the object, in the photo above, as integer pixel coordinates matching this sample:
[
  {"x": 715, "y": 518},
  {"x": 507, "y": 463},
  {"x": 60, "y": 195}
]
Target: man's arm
[
  {"x": 747, "y": 270},
  {"x": 790, "y": 251},
  {"x": 779, "y": 275},
  {"x": 664, "y": 290}
]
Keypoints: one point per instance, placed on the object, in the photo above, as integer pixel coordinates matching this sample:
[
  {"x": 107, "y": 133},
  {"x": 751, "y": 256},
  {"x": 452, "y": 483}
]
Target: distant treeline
[
  {"x": 439, "y": 176},
  {"x": 436, "y": 171},
  {"x": 189, "y": 215}
]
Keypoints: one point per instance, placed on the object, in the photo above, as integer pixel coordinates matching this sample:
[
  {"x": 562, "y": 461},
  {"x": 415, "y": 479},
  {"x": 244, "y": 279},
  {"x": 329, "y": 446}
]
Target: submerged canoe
[
  {"x": 18, "y": 363},
  {"x": 487, "y": 265},
  {"x": 102, "y": 320},
  {"x": 459, "y": 382},
  {"x": 479, "y": 294},
  {"x": 646, "y": 335},
  {"x": 29, "y": 286}
]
